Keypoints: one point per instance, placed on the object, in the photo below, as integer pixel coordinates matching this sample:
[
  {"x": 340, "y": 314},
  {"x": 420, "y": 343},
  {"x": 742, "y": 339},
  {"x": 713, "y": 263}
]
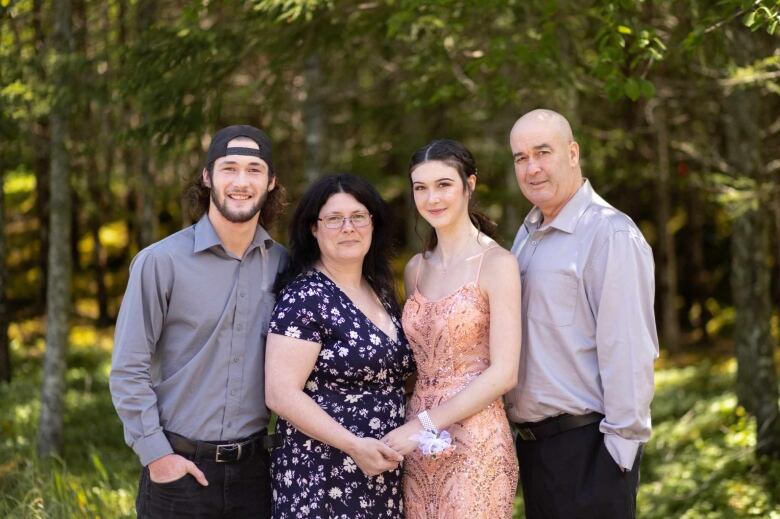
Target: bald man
[{"x": 582, "y": 407}]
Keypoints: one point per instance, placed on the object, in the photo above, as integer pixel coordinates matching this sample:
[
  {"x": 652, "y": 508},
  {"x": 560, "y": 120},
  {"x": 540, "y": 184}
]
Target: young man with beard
[{"x": 187, "y": 370}]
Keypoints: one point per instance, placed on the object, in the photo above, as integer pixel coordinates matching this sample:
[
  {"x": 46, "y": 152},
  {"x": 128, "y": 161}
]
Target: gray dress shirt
[
  {"x": 589, "y": 335},
  {"x": 189, "y": 346}
]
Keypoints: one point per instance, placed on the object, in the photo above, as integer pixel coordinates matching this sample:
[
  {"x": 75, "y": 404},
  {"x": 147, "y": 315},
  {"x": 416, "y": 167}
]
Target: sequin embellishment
[{"x": 450, "y": 341}]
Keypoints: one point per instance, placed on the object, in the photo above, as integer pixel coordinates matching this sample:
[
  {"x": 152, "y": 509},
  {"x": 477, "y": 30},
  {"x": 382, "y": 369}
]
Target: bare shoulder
[
  {"x": 412, "y": 264},
  {"x": 410, "y": 272},
  {"x": 497, "y": 257},
  {"x": 499, "y": 269}
]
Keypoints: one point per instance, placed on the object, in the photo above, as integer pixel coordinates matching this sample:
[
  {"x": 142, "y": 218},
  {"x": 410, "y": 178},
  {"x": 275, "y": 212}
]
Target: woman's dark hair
[
  {"x": 304, "y": 250},
  {"x": 455, "y": 155},
  {"x": 198, "y": 196}
]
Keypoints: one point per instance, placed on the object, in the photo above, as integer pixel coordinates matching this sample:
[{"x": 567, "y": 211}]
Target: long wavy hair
[
  {"x": 459, "y": 158},
  {"x": 304, "y": 250},
  {"x": 198, "y": 196}
]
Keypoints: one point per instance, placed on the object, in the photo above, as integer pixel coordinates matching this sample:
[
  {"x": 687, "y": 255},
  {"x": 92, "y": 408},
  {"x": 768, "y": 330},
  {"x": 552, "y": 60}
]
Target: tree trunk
[
  {"x": 5, "y": 353},
  {"x": 776, "y": 206},
  {"x": 512, "y": 217},
  {"x": 756, "y": 372},
  {"x": 670, "y": 328},
  {"x": 144, "y": 180},
  {"x": 59, "y": 275},
  {"x": 701, "y": 288},
  {"x": 99, "y": 188},
  {"x": 750, "y": 267},
  {"x": 313, "y": 120},
  {"x": 99, "y": 185},
  {"x": 40, "y": 144},
  {"x": 100, "y": 211},
  {"x": 127, "y": 157},
  {"x": 97, "y": 210},
  {"x": 144, "y": 187},
  {"x": 75, "y": 231}
]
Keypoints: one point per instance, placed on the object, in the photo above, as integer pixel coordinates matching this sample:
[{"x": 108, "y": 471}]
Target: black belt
[
  {"x": 529, "y": 431},
  {"x": 222, "y": 452}
]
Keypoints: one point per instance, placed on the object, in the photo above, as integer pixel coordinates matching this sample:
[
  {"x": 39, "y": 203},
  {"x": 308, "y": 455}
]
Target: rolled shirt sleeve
[
  {"x": 622, "y": 290},
  {"x": 138, "y": 329}
]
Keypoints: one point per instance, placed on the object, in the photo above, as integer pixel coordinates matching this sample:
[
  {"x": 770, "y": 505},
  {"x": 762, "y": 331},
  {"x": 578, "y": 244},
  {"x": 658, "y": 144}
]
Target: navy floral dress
[{"x": 358, "y": 380}]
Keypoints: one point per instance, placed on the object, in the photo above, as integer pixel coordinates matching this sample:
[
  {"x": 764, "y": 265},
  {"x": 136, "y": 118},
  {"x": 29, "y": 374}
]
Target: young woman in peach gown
[{"x": 462, "y": 320}]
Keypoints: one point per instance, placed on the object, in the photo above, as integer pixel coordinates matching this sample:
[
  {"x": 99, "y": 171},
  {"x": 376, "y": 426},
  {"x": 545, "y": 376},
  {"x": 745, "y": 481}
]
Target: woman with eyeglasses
[{"x": 337, "y": 359}]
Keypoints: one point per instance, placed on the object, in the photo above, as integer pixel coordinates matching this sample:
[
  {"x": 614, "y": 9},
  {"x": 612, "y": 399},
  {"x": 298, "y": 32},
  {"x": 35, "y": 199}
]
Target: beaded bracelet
[{"x": 427, "y": 423}]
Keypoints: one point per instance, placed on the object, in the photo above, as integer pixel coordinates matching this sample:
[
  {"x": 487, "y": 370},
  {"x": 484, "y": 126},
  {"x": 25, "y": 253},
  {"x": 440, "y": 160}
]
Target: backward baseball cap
[{"x": 219, "y": 144}]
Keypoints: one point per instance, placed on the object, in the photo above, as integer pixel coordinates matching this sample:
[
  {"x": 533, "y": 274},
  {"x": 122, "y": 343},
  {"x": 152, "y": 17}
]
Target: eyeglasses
[{"x": 335, "y": 221}]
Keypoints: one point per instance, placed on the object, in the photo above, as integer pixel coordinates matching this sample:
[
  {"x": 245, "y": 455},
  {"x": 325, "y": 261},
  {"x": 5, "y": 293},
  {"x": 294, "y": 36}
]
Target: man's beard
[{"x": 237, "y": 216}]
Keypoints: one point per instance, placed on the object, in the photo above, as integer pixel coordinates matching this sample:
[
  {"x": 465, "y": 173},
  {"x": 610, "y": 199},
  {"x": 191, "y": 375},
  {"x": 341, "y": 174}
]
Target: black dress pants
[
  {"x": 236, "y": 490},
  {"x": 572, "y": 475}
]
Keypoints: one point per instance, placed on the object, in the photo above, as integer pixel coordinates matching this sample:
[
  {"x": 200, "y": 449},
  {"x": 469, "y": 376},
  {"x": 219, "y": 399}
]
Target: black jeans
[
  {"x": 235, "y": 490},
  {"x": 572, "y": 475}
]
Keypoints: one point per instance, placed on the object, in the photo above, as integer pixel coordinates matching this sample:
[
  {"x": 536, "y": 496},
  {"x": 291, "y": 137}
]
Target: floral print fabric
[{"x": 358, "y": 380}]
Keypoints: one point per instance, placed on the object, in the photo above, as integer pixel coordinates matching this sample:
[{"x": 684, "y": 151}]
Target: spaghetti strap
[
  {"x": 479, "y": 267},
  {"x": 419, "y": 268}
]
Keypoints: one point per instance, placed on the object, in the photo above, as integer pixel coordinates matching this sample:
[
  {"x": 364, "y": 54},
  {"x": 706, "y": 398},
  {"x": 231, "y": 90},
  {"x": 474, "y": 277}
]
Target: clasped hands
[
  {"x": 372, "y": 456},
  {"x": 376, "y": 456}
]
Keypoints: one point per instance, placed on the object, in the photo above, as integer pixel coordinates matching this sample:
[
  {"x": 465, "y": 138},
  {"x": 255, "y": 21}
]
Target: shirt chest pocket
[{"x": 552, "y": 296}]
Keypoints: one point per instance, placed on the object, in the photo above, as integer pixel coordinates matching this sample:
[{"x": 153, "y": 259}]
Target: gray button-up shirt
[
  {"x": 189, "y": 346},
  {"x": 589, "y": 335}
]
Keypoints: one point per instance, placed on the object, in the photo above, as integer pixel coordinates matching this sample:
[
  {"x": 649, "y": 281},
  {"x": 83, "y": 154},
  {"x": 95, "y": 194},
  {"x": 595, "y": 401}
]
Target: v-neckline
[{"x": 395, "y": 341}]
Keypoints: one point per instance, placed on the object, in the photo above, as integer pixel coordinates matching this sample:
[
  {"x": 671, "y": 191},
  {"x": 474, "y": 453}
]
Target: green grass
[
  {"x": 699, "y": 464},
  {"x": 97, "y": 473}
]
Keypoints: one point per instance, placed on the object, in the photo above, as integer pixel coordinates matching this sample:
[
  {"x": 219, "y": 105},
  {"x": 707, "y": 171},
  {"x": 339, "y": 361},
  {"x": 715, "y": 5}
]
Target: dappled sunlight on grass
[
  {"x": 52, "y": 489},
  {"x": 665, "y": 378},
  {"x": 699, "y": 463},
  {"x": 97, "y": 475}
]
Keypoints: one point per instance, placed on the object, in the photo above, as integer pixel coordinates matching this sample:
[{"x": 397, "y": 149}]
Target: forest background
[{"x": 106, "y": 108}]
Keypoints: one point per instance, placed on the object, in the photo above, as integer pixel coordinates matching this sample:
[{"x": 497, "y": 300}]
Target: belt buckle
[
  {"x": 526, "y": 434},
  {"x": 228, "y": 450}
]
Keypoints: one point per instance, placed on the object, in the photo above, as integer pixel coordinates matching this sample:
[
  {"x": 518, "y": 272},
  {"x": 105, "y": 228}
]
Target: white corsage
[{"x": 431, "y": 444}]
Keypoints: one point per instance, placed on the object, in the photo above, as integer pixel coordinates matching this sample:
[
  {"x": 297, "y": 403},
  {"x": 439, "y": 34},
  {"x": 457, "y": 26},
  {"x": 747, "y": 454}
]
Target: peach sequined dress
[{"x": 478, "y": 479}]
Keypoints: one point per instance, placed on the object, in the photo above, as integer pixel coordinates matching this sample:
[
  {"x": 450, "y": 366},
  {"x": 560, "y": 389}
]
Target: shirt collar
[
  {"x": 567, "y": 219},
  {"x": 262, "y": 239},
  {"x": 206, "y": 237}
]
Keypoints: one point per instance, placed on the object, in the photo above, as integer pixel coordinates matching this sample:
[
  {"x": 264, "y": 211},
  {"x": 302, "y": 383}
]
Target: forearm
[
  {"x": 136, "y": 405},
  {"x": 488, "y": 387},
  {"x": 307, "y": 416},
  {"x": 628, "y": 392},
  {"x": 626, "y": 370}
]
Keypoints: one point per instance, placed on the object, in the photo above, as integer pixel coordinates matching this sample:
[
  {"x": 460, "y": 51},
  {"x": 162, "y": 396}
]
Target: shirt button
[
  {"x": 236, "y": 359},
  {"x": 233, "y": 392},
  {"x": 534, "y": 243},
  {"x": 230, "y": 424},
  {"x": 242, "y": 294},
  {"x": 239, "y": 327}
]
